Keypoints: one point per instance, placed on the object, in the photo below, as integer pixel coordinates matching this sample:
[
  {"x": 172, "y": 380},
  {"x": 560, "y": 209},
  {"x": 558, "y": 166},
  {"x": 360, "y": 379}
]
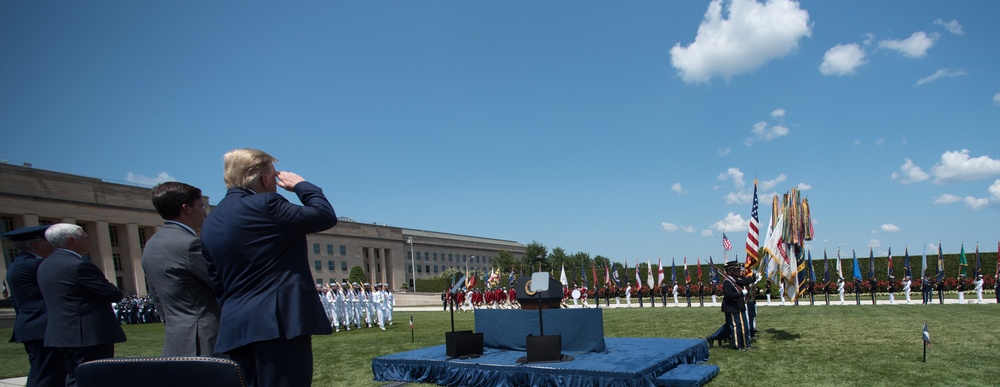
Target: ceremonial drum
[{"x": 576, "y": 294}]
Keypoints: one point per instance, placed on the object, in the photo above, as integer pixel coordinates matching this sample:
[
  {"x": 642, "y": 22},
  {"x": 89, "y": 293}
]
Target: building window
[
  {"x": 378, "y": 267},
  {"x": 343, "y": 250},
  {"x": 408, "y": 256},
  {"x": 332, "y": 265},
  {"x": 319, "y": 282},
  {"x": 427, "y": 268},
  {"x": 319, "y": 265},
  {"x": 409, "y": 269},
  {"x": 329, "y": 249},
  {"x": 316, "y": 248},
  {"x": 420, "y": 269},
  {"x": 6, "y": 224},
  {"x": 113, "y": 234},
  {"x": 343, "y": 265},
  {"x": 435, "y": 268},
  {"x": 116, "y": 258},
  {"x": 436, "y": 256},
  {"x": 142, "y": 238}
]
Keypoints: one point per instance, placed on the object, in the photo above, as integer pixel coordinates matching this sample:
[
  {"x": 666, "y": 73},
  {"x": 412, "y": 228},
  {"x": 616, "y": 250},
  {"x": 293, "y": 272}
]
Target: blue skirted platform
[{"x": 628, "y": 362}]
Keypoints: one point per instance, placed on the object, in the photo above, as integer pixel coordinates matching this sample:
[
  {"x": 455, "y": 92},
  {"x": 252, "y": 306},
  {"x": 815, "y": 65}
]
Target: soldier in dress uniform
[
  {"x": 734, "y": 295},
  {"x": 45, "y": 364},
  {"x": 925, "y": 290},
  {"x": 701, "y": 293},
  {"x": 687, "y": 293},
  {"x": 979, "y": 289},
  {"x": 812, "y": 291},
  {"x": 961, "y": 289},
  {"x": 907, "y": 284},
  {"x": 873, "y": 287},
  {"x": 390, "y": 302}
]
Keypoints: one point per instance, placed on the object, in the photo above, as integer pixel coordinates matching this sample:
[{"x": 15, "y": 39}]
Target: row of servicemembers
[
  {"x": 354, "y": 304},
  {"x": 490, "y": 298}
]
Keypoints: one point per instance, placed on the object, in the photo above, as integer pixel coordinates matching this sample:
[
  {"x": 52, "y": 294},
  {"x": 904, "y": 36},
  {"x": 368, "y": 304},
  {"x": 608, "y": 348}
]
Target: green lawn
[{"x": 819, "y": 345}]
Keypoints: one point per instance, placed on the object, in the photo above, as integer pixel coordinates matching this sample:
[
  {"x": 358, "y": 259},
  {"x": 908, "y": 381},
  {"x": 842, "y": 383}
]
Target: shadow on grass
[{"x": 782, "y": 335}]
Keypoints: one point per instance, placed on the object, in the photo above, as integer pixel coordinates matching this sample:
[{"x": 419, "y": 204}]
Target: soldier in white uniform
[
  {"x": 781, "y": 292},
  {"x": 628, "y": 295},
  {"x": 840, "y": 290},
  {"x": 356, "y": 298},
  {"x": 345, "y": 305},
  {"x": 676, "y": 290},
  {"x": 377, "y": 301},
  {"x": 390, "y": 303},
  {"x": 906, "y": 288},
  {"x": 979, "y": 289}
]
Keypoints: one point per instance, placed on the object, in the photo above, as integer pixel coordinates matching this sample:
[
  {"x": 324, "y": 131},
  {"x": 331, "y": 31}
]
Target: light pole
[{"x": 413, "y": 263}]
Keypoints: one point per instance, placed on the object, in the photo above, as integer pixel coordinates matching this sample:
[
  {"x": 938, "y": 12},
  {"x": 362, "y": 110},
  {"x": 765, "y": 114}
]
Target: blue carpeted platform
[
  {"x": 628, "y": 362},
  {"x": 688, "y": 375}
]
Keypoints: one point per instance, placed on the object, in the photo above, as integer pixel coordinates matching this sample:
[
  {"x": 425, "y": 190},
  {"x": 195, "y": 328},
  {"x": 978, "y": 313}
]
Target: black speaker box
[
  {"x": 544, "y": 348},
  {"x": 463, "y": 344}
]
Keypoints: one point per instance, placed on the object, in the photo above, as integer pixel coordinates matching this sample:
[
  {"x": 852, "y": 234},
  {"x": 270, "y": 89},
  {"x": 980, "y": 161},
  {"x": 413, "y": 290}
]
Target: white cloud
[
  {"x": 932, "y": 246},
  {"x": 889, "y": 227},
  {"x": 737, "y": 197},
  {"x": 763, "y": 132},
  {"x": 734, "y": 176},
  {"x": 670, "y": 227},
  {"x": 731, "y": 223},
  {"x": 957, "y": 166},
  {"x": 778, "y": 113},
  {"x": 770, "y": 184},
  {"x": 915, "y": 46},
  {"x": 874, "y": 243},
  {"x": 753, "y": 34},
  {"x": 996, "y": 99},
  {"x": 947, "y": 199},
  {"x": 952, "y": 26},
  {"x": 842, "y": 59},
  {"x": 677, "y": 188},
  {"x": 976, "y": 204},
  {"x": 804, "y": 187},
  {"x": 942, "y": 73},
  {"x": 910, "y": 173},
  {"x": 723, "y": 152},
  {"x": 149, "y": 181},
  {"x": 995, "y": 191},
  {"x": 707, "y": 233}
]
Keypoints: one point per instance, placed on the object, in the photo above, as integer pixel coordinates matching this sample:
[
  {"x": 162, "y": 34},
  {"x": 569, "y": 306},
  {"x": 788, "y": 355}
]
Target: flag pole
[{"x": 411, "y": 329}]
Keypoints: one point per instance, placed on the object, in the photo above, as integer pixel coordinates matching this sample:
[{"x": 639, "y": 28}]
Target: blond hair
[{"x": 242, "y": 166}]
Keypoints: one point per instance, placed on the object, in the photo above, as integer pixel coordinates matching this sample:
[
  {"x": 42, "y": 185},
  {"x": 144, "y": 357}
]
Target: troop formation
[
  {"x": 466, "y": 299},
  {"x": 358, "y": 305}
]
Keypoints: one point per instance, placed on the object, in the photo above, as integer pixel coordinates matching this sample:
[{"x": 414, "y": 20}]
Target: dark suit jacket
[
  {"x": 29, "y": 323},
  {"x": 255, "y": 247},
  {"x": 182, "y": 291},
  {"x": 78, "y": 299}
]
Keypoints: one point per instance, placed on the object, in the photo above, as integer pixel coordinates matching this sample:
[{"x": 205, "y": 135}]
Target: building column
[
  {"x": 101, "y": 256},
  {"x": 135, "y": 259},
  {"x": 385, "y": 267},
  {"x": 29, "y": 220},
  {"x": 369, "y": 262}
]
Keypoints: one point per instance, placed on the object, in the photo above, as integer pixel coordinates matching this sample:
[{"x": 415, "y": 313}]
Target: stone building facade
[{"x": 120, "y": 218}]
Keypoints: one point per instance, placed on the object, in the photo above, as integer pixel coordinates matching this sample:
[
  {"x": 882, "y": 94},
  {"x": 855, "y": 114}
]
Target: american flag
[
  {"x": 753, "y": 233},
  {"x": 725, "y": 242}
]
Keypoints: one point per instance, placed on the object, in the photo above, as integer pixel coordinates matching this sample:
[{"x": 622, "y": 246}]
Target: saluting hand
[{"x": 288, "y": 180}]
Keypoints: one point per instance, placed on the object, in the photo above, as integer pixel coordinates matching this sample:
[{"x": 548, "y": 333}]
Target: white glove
[{"x": 744, "y": 292}]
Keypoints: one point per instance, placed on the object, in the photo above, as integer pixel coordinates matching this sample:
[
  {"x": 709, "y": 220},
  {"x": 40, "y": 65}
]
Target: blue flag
[
  {"x": 510, "y": 278},
  {"x": 614, "y": 275},
  {"x": 812, "y": 273},
  {"x": 923, "y": 263},
  {"x": 906, "y": 263},
  {"x": 826, "y": 268},
  {"x": 673, "y": 270},
  {"x": 871, "y": 263},
  {"x": 857, "y": 268}
]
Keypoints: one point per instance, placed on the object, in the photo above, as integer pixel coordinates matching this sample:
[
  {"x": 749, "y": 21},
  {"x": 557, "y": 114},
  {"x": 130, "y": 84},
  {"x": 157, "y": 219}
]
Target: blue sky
[{"x": 630, "y": 130}]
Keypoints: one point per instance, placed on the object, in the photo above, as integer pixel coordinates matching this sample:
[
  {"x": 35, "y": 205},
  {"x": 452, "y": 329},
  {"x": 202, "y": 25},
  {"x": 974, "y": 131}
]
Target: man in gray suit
[{"x": 177, "y": 274}]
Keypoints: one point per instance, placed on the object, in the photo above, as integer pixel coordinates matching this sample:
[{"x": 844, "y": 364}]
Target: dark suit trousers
[
  {"x": 76, "y": 356},
  {"x": 278, "y": 362},
  {"x": 47, "y": 366}
]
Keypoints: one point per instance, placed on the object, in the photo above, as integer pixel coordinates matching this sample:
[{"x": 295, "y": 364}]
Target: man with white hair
[{"x": 78, "y": 297}]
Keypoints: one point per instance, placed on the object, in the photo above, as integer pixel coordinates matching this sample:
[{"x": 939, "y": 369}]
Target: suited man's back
[
  {"x": 182, "y": 291},
  {"x": 78, "y": 300}
]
